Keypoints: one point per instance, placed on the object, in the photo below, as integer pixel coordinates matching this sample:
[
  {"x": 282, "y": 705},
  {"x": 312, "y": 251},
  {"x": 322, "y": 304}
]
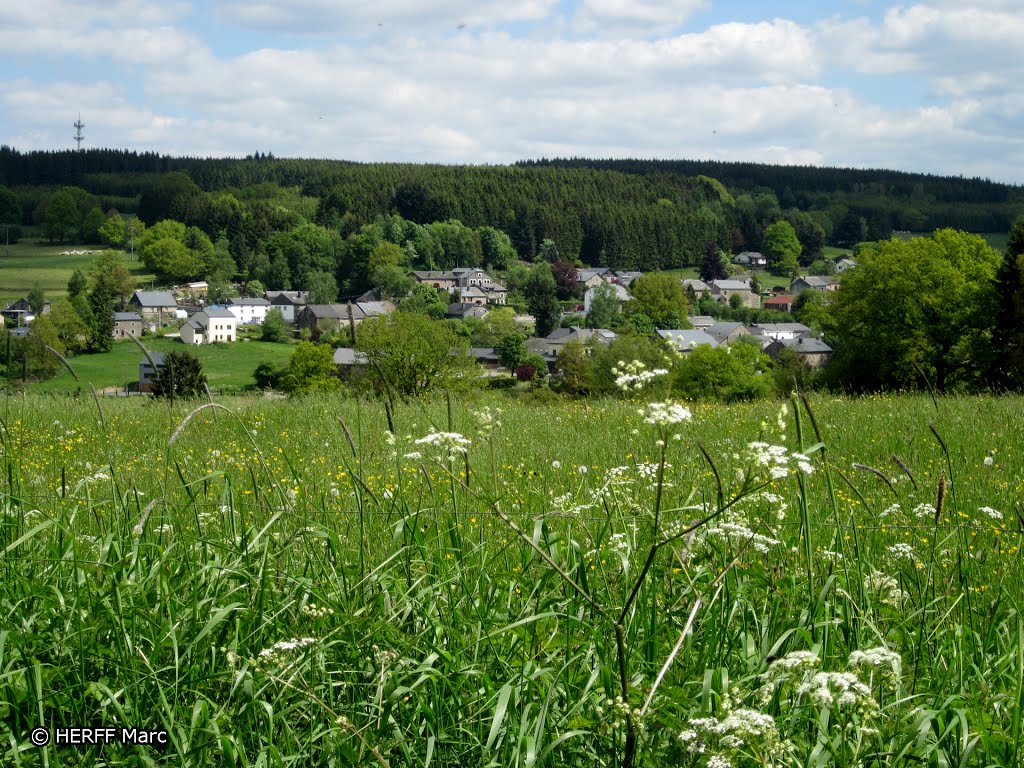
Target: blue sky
[{"x": 927, "y": 86}]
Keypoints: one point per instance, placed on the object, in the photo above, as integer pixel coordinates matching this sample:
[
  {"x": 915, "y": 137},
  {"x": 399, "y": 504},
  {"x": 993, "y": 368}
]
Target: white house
[
  {"x": 209, "y": 326},
  {"x": 248, "y": 311}
]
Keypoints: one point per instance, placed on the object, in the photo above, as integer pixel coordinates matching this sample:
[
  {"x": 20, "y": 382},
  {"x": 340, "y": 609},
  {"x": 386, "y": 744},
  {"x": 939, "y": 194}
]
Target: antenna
[{"x": 79, "y": 138}]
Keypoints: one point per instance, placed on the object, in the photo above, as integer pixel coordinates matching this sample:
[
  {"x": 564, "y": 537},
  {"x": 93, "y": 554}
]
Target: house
[
  {"x": 461, "y": 310},
  {"x": 496, "y": 293},
  {"x": 444, "y": 279},
  {"x": 620, "y": 293},
  {"x": 844, "y": 263},
  {"x": 750, "y": 259},
  {"x": 591, "y": 278},
  {"x": 349, "y": 361},
  {"x": 687, "y": 339},
  {"x": 815, "y": 353},
  {"x": 779, "y": 331},
  {"x": 147, "y": 373},
  {"x": 552, "y": 344},
  {"x": 248, "y": 311},
  {"x": 724, "y": 290},
  {"x": 290, "y": 303},
  {"x": 627, "y": 277},
  {"x": 21, "y": 310},
  {"x": 701, "y": 322},
  {"x": 209, "y": 326},
  {"x": 127, "y": 324},
  {"x": 486, "y": 357},
  {"x": 697, "y": 287},
  {"x": 157, "y": 308},
  {"x": 780, "y": 303},
  {"x": 726, "y": 333},
  {"x": 813, "y": 283},
  {"x": 322, "y": 318},
  {"x": 472, "y": 295},
  {"x": 196, "y": 290}
]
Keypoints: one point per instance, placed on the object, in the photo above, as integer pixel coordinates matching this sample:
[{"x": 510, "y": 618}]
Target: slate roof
[
  {"x": 154, "y": 299},
  {"x": 687, "y": 339}
]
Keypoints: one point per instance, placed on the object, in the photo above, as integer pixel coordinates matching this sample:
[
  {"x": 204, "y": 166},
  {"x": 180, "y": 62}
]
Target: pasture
[
  {"x": 29, "y": 263},
  {"x": 570, "y": 583}
]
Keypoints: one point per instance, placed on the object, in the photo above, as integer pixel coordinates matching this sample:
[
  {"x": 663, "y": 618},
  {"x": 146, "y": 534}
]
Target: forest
[{"x": 625, "y": 214}]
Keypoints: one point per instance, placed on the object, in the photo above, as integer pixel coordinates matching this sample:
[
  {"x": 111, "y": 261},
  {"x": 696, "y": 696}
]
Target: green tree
[
  {"x": 409, "y": 354},
  {"x": 171, "y": 260},
  {"x": 511, "y": 350},
  {"x": 275, "y": 328},
  {"x": 62, "y": 218},
  {"x": 311, "y": 368},
  {"x": 10, "y": 207},
  {"x": 712, "y": 265},
  {"x": 604, "y": 307},
  {"x": 70, "y": 327},
  {"x": 661, "y": 297},
  {"x": 37, "y": 299},
  {"x": 1008, "y": 337},
  {"x": 542, "y": 299},
  {"x": 91, "y": 223},
  {"x": 220, "y": 266},
  {"x": 112, "y": 230},
  {"x": 322, "y": 287},
  {"x": 782, "y": 248},
  {"x": 923, "y": 306},
  {"x": 426, "y": 300},
  {"x": 181, "y": 377},
  {"x": 573, "y": 369},
  {"x": 736, "y": 372},
  {"x": 391, "y": 282},
  {"x": 38, "y": 361}
]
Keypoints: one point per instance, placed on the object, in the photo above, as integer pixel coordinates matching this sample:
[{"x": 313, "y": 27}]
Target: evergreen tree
[
  {"x": 542, "y": 299},
  {"x": 180, "y": 377},
  {"x": 1008, "y": 334},
  {"x": 712, "y": 267}
]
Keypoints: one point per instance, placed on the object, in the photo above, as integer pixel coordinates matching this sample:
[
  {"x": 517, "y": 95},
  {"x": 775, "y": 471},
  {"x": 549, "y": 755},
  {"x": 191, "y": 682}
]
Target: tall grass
[{"x": 293, "y": 584}]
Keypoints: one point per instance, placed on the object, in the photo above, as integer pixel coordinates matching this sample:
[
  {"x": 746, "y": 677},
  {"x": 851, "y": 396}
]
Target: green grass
[
  {"x": 281, "y": 585},
  {"x": 225, "y": 365},
  {"x": 30, "y": 263}
]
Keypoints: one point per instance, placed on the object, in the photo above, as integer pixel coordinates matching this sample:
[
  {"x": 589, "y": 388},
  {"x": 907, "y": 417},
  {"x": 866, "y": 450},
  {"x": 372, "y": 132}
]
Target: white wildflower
[
  {"x": 582, "y": 469},
  {"x": 314, "y": 611},
  {"x": 839, "y": 691},
  {"x": 487, "y": 420},
  {"x": 888, "y": 664},
  {"x": 449, "y": 443},
  {"x": 556, "y": 464},
  {"x": 902, "y": 551},
  {"x": 885, "y": 588},
  {"x": 924, "y": 510},
  {"x": 635, "y": 375},
  {"x": 666, "y": 414},
  {"x": 995, "y": 514},
  {"x": 414, "y": 456}
]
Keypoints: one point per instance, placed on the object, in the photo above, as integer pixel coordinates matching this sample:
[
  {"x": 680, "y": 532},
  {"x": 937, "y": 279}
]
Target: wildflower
[
  {"x": 995, "y": 514},
  {"x": 887, "y": 663},
  {"x": 314, "y": 611},
  {"x": 449, "y": 443},
  {"x": 924, "y": 510},
  {"x": 990, "y": 459},
  {"x": 839, "y": 690},
  {"x": 739, "y": 732},
  {"x": 901, "y": 551},
  {"x": 635, "y": 376},
  {"x": 280, "y": 653},
  {"x": 487, "y": 420},
  {"x": 666, "y": 414},
  {"x": 885, "y": 588},
  {"x": 790, "y": 668},
  {"x": 556, "y": 464},
  {"x": 582, "y": 469},
  {"x": 775, "y": 459},
  {"x": 414, "y": 456}
]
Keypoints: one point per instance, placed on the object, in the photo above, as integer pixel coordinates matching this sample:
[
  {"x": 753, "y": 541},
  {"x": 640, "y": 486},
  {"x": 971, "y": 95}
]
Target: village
[{"x": 182, "y": 312}]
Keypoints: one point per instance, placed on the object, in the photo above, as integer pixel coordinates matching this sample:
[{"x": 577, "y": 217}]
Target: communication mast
[{"x": 79, "y": 138}]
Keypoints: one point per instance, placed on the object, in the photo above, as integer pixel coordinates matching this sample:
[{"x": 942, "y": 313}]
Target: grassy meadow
[
  {"x": 555, "y": 584},
  {"x": 29, "y": 263},
  {"x": 227, "y": 366}
]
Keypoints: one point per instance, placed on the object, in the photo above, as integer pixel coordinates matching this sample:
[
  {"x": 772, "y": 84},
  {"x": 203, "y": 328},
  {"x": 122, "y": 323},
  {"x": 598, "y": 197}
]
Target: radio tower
[{"x": 79, "y": 138}]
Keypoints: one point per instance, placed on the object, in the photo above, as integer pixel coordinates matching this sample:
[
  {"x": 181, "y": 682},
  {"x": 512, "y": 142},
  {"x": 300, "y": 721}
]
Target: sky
[{"x": 930, "y": 86}]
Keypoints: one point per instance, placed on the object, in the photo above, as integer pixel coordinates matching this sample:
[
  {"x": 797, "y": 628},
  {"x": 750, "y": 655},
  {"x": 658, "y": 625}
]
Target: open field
[
  {"x": 225, "y": 365},
  {"x": 281, "y": 584},
  {"x": 37, "y": 262}
]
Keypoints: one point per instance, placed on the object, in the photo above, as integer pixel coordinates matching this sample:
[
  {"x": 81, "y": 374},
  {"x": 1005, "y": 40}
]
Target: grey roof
[
  {"x": 748, "y": 257},
  {"x": 349, "y": 356},
  {"x": 815, "y": 281},
  {"x": 766, "y": 328},
  {"x": 729, "y": 285},
  {"x": 158, "y": 358},
  {"x": 461, "y": 309},
  {"x": 127, "y": 317},
  {"x": 807, "y": 345},
  {"x": 698, "y": 286},
  {"x": 483, "y": 353},
  {"x": 360, "y": 310},
  {"x": 575, "y": 333},
  {"x": 155, "y": 299},
  {"x": 701, "y": 321},
  {"x": 720, "y": 331},
  {"x": 237, "y": 302},
  {"x": 433, "y": 274},
  {"x": 217, "y": 312},
  {"x": 287, "y": 297},
  {"x": 687, "y": 339}
]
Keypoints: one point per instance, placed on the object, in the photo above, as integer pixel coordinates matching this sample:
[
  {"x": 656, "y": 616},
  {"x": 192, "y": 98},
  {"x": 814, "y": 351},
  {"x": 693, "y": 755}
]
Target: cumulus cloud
[{"x": 614, "y": 79}]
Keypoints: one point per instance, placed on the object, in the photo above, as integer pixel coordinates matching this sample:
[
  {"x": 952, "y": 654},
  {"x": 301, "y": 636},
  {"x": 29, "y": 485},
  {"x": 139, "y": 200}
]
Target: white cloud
[
  {"x": 386, "y": 17},
  {"x": 634, "y": 17}
]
